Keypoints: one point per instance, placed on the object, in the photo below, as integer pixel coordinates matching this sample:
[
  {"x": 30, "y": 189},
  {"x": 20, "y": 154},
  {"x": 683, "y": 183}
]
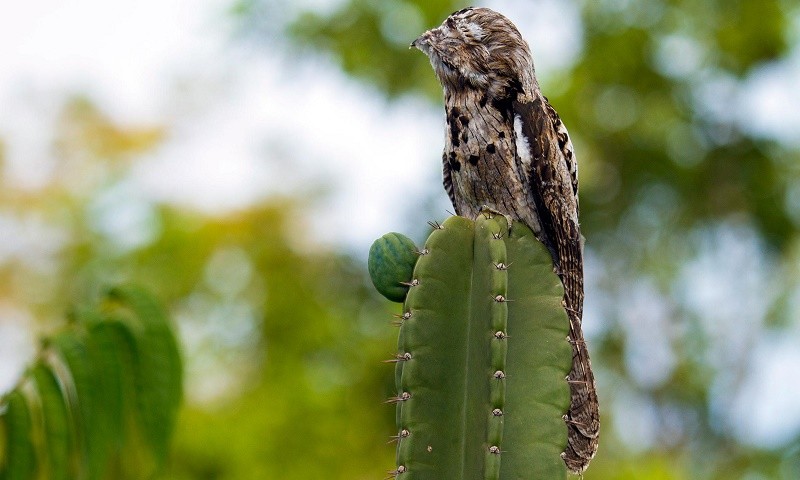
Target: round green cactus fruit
[{"x": 391, "y": 264}]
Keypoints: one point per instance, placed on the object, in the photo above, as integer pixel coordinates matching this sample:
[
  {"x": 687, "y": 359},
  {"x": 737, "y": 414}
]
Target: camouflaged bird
[{"x": 507, "y": 150}]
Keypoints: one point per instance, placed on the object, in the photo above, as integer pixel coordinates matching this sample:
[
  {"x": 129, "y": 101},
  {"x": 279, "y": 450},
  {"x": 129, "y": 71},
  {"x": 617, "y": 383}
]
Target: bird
[{"x": 507, "y": 150}]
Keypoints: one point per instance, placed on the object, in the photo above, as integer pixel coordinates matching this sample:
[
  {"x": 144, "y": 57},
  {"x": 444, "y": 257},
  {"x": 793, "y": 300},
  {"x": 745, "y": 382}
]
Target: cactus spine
[{"x": 482, "y": 358}]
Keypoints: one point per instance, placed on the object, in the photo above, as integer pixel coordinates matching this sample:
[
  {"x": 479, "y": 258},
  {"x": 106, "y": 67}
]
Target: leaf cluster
[{"x": 101, "y": 398}]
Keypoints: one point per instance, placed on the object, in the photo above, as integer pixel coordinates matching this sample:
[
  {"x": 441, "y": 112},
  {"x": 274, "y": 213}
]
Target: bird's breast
[{"x": 481, "y": 156}]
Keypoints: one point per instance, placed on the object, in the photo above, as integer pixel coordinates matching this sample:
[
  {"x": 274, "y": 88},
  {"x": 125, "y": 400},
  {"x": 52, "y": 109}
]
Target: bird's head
[{"x": 481, "y": 49}]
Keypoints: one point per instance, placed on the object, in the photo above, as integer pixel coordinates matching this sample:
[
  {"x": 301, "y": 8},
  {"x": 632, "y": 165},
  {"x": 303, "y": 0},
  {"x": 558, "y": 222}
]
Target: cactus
[
  {"x": 391, "y": 264},
  {"x": 482, "y": 358}
]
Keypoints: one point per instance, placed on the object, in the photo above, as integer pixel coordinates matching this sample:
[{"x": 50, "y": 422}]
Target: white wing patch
[{"x": 523, "y": 147}]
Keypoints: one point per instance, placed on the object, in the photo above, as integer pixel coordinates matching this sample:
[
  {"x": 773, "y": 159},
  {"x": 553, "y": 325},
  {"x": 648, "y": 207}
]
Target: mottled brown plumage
[{"x": 506, "y": 149}]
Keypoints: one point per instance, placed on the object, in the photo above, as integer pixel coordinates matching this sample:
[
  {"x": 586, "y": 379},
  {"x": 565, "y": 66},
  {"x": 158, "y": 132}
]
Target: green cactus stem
[{"x": 482, "y": 358}]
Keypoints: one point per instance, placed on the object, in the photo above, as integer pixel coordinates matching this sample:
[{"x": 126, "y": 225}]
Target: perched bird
[{"x": 507, "y": 150}]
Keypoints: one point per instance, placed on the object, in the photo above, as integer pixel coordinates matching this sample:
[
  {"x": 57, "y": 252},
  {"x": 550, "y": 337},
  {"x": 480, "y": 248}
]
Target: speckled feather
[{"x": 507, "y": 149}]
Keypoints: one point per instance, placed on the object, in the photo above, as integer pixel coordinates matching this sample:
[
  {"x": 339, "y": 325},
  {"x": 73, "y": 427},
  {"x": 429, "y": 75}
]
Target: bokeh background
[{"x": 238, "y": 157}]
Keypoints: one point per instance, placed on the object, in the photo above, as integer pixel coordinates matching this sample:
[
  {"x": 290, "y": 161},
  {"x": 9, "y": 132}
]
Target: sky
[
  {"x": 226, "y": 107},
  {"x": 226, "y": 104},
  {"x": 230, "y": 106},
  {"x": 242, "y": 125}
]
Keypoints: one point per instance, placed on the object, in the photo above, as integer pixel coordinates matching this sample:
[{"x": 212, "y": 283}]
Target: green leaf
[
  {"x": 58, "y": 436},
  {"x": 92, "y": 408},
  {"x": 108, "y": 347},
  {"x": 157, "y": 369},
  {"x": 20, "y": 457}
]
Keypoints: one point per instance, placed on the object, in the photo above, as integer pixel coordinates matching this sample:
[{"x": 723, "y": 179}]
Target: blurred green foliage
[
  {"x": 283, "y": 337},
  {"x": 311, "y": 400},
  {"x": 100, "y": 400}
]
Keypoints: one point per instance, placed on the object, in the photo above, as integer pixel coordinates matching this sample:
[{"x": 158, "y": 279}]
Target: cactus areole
[{"x": 482, "y": 357}]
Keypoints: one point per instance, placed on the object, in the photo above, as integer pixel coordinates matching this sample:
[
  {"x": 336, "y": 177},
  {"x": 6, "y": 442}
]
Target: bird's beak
[{"x": 422, "y": 43}]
